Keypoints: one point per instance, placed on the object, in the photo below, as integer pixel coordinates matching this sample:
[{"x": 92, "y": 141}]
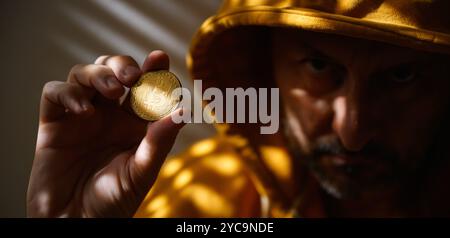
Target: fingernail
[
  {"x": 111, "y": 82},
  {"x": 130, "y": 71}
]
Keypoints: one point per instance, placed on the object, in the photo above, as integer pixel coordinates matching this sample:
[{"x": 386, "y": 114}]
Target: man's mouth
[
  {"x": 346, "y": 160},
  {"x": 356, "y": 166}
]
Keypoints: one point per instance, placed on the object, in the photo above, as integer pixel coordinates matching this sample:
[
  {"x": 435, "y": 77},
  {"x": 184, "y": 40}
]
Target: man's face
[{"x": 362, "y": 114}]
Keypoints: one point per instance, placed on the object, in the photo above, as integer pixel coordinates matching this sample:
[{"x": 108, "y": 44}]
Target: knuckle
[
  {"x": 97, "y": 72},
  {"x": 115, "y": 60},
  {"x": 122, "y": 60},
  {"x": 93, "y": 69},
  {"x": 55, "y": 90},
  {"x": 51, "y": 86},
  {"x": 126, "y": 58},
  {"x": 88, "y": 72},
  {"x": 102, "y": 59},
  {"x": 76, "y": 68}
]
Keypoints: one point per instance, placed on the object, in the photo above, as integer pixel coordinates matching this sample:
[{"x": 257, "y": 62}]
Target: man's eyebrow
[
  {"x": 315, "y": 52},
  {"x": 416, "y": 63},
  {"x": 422, "y": 60}
]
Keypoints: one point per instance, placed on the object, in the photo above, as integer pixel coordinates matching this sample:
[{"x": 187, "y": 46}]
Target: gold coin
[{"x": 152, "y": 98}]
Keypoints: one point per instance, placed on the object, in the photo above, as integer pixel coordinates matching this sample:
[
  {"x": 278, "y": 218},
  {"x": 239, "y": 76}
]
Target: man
[{"x": 364, "y": 91}]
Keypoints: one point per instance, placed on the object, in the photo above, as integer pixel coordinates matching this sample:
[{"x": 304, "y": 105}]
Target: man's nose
[{"x": 352, "y": 121}]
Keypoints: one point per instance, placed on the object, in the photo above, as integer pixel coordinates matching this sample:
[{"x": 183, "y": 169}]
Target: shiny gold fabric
[{"x": 211, "y": 179}]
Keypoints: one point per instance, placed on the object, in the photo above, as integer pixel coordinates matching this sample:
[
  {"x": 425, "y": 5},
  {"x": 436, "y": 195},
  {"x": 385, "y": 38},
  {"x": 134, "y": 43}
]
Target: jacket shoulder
[{"x": 209, "y": 179}]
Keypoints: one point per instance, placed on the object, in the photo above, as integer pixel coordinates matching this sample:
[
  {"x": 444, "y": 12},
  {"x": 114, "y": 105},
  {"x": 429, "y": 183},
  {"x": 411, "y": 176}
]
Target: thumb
[{"x": 152, "y": 151}]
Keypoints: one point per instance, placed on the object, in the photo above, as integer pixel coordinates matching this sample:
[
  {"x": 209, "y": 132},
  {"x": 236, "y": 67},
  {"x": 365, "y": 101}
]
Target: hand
[{"x": 95, "y": 158}]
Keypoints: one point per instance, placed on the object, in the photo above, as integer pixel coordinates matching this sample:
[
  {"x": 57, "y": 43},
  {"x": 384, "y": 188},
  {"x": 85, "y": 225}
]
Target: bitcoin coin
[{"x": 152, "y": 98}]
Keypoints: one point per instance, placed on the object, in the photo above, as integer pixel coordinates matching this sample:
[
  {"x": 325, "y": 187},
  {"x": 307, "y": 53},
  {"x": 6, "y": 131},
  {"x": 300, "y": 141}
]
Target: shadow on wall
[{"x": 42, "y": 40}]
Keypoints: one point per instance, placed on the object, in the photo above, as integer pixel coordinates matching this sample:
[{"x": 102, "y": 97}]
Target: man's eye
[
  {"x": 320, "y": 76},
  {"x": 317, "y": 65},
  {"x": 403, "y": 75}
]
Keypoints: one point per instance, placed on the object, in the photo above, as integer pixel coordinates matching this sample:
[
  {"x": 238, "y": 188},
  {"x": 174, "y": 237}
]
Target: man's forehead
[{"x": 344, "y": 49}]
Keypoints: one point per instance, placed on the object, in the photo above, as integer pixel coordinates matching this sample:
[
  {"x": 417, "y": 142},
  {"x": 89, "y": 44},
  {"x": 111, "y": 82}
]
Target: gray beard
[
  {"x": 296, "y": 152},
  {"x": 339, "y": 189}
]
